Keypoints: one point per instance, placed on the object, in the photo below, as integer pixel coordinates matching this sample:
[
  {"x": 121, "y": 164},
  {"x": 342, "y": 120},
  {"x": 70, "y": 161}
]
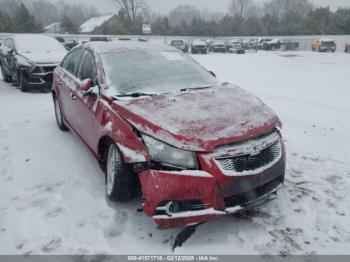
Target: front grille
[
  {"x": 48, "y": 68},
  {"x": 250, "y": 162},
  {"x": 246, "y": 197}
]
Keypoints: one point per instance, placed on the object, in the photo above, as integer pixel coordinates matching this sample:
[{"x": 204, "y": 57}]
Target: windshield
[
  {"x": 153, "y": 72},
  {"x": 37, "y": 43}
]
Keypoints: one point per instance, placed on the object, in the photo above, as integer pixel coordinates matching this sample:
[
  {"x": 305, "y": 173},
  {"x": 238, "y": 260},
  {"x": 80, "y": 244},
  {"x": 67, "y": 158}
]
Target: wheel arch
[
  {"x": 130, "y": 154},
  {"x": 102, "y": 150}
]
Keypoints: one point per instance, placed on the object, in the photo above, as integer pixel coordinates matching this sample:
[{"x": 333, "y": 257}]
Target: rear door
[
  {"x": 68, "y": 83},
  {"x": 85, "y": 113}
]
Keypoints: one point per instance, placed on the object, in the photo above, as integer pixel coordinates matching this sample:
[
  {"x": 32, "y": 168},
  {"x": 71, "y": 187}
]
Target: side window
[
  {"x": 72, "y": 61},
  {"x": 9, "y": 43},
  {"x": 87, "y": 67},
  {"x": 65, "y": 61}
]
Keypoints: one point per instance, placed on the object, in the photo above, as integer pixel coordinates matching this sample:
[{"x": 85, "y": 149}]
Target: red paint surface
[{"x": 223, "y": 115}]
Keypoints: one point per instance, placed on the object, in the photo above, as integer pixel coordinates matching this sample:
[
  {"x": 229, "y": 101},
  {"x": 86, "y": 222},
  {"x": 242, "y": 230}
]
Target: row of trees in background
[
  {"x": 243, "y": 18},
  {"x": 246, "y": 18},
  {"x": 19, "y": 16}
]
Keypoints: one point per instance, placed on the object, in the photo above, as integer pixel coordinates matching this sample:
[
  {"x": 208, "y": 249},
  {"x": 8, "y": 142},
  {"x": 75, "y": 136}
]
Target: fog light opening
[{"x": 172, "y": 207}]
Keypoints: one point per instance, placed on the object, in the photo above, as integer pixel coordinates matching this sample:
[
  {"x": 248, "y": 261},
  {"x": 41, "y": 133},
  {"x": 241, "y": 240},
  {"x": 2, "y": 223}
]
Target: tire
[
  {"x": 59, "y": 115},
  {"x": 7, "y": 79},
  {"x": 22, "y": 84},
  {"x": 121, "y": 184}
]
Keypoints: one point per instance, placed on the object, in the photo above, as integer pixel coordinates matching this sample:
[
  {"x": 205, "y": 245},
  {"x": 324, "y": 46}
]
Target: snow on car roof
[
  {"x": 122, "y": 46},
  {"x": 37, "y": 43},
  {"x": 326, "y": 40},
  {"x": 91, "y": 24}
]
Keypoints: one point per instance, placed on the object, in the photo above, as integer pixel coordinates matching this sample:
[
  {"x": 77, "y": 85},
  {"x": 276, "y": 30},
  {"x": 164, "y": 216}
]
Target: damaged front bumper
[
  {"x": 179, "y": 199},
  {"x": 236, "y": 177}
]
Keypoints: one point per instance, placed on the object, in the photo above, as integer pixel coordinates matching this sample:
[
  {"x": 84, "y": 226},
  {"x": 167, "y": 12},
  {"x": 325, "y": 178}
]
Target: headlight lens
[
  {"x": 25, "y": 63},
  {"x": 166, "y": 154}
]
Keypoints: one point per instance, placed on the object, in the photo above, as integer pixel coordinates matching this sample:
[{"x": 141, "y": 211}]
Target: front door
[
  {"x": 67, "y": 84},
  {"x": 86, "y": 105}
]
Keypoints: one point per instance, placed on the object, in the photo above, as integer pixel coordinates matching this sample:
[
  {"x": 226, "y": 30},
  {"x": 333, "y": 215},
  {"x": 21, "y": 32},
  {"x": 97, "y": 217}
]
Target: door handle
[{"x": 72, "y": 95}]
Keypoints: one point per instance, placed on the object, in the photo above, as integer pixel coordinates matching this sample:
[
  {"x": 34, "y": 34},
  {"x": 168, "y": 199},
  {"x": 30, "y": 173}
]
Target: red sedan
[{"x": 160, "y": 124}]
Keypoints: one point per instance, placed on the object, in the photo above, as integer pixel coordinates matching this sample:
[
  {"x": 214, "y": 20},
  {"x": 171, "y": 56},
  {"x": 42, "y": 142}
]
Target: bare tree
[
  {"x": 133, "y": 9},
  {"x": 241, "y": 8}
]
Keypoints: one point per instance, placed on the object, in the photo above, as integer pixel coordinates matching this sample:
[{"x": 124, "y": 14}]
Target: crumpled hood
[
  {"x": 53, "y": 57},
  {"x": 200, "y": 120}
]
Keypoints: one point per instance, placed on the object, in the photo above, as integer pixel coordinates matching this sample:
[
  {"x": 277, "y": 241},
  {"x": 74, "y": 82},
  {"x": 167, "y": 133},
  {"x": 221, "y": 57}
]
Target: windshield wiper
[
  {"x": 136, "y": 94},
  {"x": 195, "y": 88}
]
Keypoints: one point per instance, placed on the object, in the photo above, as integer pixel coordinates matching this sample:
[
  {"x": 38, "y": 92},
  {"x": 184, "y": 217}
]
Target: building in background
[
  {"x": 54, "y": 28},
  {"x": 91, "y": 25}
]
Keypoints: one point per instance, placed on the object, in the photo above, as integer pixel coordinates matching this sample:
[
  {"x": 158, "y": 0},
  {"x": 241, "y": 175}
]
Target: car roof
[
  {"x": 326, "y": 40},
  {"x": 123, "y": 46}
]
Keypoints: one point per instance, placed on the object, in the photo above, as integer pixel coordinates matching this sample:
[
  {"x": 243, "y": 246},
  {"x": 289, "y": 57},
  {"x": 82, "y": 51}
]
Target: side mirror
[
  {"x": 212, "y": 73},
  {"x": 10, "y": 51},
  {"x": 89, "y": 88}
]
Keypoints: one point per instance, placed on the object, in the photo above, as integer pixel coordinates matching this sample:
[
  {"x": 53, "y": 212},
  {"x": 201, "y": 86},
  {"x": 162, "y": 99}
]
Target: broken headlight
[
  {"x": 165, "y": 154},
  {"x": 24, "y": 63}
]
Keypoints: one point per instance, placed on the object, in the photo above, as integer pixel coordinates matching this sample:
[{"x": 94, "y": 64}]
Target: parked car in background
[
  {"x": 235, "y": 46},
  {"x": 347, "y": 48},
  {"x": 199, "y": 47},
  {"x": 30, "y": 59},
  {"x": 218, "y": 46},
  {"x": 261, "y": 42},
  {"x": 180, "y": 44},
  {"x": 249, "y": 44},
  {"x": 100, "y": 39},
  {"x": 291, "y": 45},
  {"x": 68, "y": 44},
  {"x": 196, "y": 149},
  {"x": 324, "y": 45},
  {"x": 278, "y": 43}
]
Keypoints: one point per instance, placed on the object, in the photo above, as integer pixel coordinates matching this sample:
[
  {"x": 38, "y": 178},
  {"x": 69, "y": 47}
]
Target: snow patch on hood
[{"x": 50, "y": 57}]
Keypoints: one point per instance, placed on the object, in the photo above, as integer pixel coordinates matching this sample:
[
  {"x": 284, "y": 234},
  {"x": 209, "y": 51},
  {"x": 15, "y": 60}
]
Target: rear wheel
[
  {"x": 59, "y": 116},
  {"x": 6, "y": 77},
  {"x": 121, "y": 183}
]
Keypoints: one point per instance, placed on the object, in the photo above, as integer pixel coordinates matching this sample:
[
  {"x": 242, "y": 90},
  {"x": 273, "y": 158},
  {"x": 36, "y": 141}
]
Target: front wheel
[
  {"x": 121, "y": 183},
  {"x": 6, "y": 78},
  {"x": 59, "y": 116}
]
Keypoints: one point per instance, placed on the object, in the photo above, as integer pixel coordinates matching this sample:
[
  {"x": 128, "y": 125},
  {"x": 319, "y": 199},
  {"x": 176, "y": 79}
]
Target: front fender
[{"x": 131, "y": 146}]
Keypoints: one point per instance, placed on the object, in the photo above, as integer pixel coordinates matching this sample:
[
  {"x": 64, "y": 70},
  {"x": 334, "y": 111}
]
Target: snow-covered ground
[{"x": 52, "y": 191}]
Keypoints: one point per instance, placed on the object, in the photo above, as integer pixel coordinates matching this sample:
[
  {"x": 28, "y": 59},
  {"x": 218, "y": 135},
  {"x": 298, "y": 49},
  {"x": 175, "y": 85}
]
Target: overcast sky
[{"x": 164, "y": 6}]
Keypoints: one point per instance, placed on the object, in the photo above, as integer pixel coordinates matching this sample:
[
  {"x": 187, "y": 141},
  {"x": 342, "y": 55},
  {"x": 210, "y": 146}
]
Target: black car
[
  {"x": 30, "y": 59},
  {"x": 67, "y": 44},
  {"x": 199, "y": 47},
  {"x": 279, "y": 43},
  {"x": 180, "y": 44},
  {"x": 100, "y": 39}
]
